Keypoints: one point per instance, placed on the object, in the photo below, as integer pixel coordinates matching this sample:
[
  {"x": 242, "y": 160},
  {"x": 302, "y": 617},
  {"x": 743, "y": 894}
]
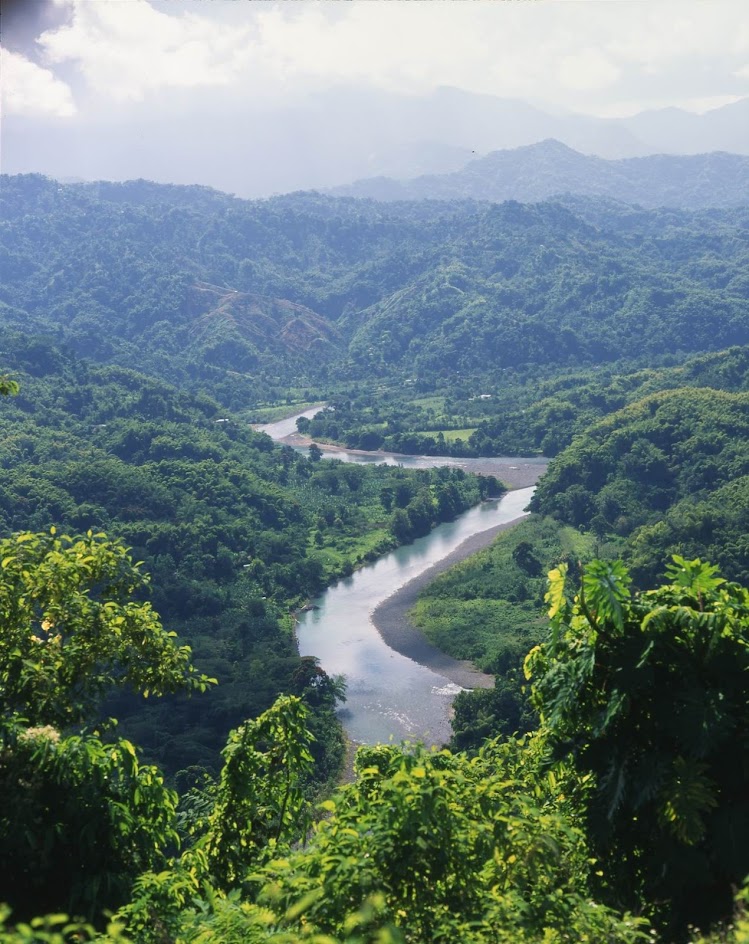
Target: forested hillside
[
  {"x": 547, "y": 417},
  {"x": 234, "y": 531},
  {"x": 529, "y": 413},
  {"x": 246, "y": 298},
  {"x": 669, "y": 472}
]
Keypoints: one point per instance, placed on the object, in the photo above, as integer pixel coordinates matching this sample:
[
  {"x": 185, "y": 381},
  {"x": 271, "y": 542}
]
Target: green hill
[
  {"x": 668, "y": 472},
  {"x": 246, "y": 298}
]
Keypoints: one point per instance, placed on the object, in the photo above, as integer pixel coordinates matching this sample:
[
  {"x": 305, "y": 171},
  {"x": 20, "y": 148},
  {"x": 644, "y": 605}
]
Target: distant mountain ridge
[
  {"x": 536, "y": 172},
  {"x": 333, "y": 137}
]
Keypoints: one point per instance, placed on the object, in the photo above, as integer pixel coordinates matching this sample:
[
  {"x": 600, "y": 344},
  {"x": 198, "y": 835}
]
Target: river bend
[{"x": 392, "y": 696}]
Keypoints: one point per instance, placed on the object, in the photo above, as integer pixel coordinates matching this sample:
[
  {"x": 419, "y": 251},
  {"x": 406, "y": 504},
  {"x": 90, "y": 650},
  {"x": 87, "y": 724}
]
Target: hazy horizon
[{"x": 257, "y": 98}]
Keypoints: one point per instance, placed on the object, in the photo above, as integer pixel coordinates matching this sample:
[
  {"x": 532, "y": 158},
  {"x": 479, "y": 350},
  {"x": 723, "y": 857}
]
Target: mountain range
[
  {"x": 205, "y": 290},
  {"x": 335, "y": 137},
  {"x": 539, "y": 171}
]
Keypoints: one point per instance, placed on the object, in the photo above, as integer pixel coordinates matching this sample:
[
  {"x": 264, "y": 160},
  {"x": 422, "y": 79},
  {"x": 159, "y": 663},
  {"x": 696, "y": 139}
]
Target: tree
[
  {"x": 253, "y": 813},
  {"x": 647, "y": 692},
  {"x": 435, "y": 846},
  {"x": 8, "y": 387},
  {"x": 400, "y": 526},
  {"x": 524, "y": 556},
  {"x": 315, "y": 687},
  {"x": 80, "y": 816},
  {"x": 72, "y": 629},
  {"x": 80, "y": 819}
]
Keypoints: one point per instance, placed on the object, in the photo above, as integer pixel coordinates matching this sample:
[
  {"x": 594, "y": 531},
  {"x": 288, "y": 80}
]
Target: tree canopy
[
  {"x": 646, "y": 692},
  {"x": 72, "y": 630}
]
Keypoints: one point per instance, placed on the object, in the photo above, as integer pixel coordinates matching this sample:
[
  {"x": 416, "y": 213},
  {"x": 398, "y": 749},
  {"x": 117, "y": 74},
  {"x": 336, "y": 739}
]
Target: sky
[
  {"x": 88, "y": 65},
  {"x": 66, "y": 58}
]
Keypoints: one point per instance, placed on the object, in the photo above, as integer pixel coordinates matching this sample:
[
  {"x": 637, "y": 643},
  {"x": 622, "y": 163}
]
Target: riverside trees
[{"x": 626, "y": 796}]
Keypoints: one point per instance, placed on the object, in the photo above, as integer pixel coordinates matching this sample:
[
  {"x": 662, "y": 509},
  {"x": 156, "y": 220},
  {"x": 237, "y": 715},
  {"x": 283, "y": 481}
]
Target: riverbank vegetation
[
  {"x": 598, "y": 793},
  {"x": 235, "y": 531},
  {"x": 490, "y": 610},
  {"x": 666, "y": 474},
  {"x": 512, "y": 413}
]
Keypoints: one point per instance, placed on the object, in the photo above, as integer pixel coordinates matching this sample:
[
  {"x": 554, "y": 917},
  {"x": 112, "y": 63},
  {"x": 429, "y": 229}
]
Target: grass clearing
[
  {"x": 429, "y": 403},
  {"x": 352, "y": 550},
  {"x": 452, "y": 434},
  {"x": 576, "y": 544},
  {"x": 272, "y": 414}
]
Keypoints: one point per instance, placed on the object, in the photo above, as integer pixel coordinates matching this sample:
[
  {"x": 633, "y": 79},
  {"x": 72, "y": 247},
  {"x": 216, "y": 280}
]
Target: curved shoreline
[
  {"x": 390, "y": 617},
  {"x": 513, "y": 471}
]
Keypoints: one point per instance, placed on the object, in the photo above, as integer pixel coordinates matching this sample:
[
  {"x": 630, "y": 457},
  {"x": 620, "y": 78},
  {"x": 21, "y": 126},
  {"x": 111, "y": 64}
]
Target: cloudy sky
[{"x": 89, "y": 63}]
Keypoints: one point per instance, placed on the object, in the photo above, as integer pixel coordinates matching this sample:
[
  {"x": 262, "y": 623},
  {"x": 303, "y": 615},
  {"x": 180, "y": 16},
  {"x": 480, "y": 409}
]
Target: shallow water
[
  {"x": 390, "y": 696},
  {"x": 494, "y": 465}
]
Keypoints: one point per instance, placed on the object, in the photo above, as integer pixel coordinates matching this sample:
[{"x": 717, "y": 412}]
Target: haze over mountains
[
  {"x": 341, "y": 135},
  {"x": 539, "y": 171}
]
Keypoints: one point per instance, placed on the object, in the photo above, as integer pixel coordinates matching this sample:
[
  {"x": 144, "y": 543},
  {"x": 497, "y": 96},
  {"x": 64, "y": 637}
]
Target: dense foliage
[
  {"x": 203, "y": 289},
  {"x": 234, "y": 531},
  {"x": 668, "y": 471},
  {"x": 648, "y": 694},
  {"x": 81, "y": 818},
  {"x": 71, "y": 631},
  {"x": 513, "y": 844}
]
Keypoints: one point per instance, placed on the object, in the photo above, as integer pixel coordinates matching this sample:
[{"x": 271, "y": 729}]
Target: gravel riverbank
[
  {"x": 514, "y": 472},
  {"x": 392, "y": 622}
]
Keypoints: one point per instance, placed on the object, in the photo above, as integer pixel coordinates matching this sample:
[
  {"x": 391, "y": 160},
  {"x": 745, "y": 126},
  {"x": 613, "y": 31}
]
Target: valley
[
  {"x": 296, "y": 413},
  {"x": 374, "y": 472}
]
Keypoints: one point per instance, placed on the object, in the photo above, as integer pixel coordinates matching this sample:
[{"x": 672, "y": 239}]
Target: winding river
[{"x": 391, "y": 696}]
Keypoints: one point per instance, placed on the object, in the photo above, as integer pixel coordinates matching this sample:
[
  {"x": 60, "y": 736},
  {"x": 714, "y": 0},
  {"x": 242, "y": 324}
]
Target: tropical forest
[{"x": 218, "y": 413}]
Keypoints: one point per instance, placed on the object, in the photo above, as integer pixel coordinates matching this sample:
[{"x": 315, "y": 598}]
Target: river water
[
  {"x": 391, "y": 697},
  {"x": 517, "y": 471}
]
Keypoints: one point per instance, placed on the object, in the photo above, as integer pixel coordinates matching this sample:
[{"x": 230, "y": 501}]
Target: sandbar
[{"x": 391, "y": 617}]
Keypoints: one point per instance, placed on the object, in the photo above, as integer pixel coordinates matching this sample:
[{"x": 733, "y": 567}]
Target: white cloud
[
  {"x": 28, "y": 89},
  {"x": 571, "y": 53},
  {"x": 126, "y": 48},
  {"x": 587, "y": 69},
  {"x": 582, "y": 54},
  {"x": 411, "y": 46}
]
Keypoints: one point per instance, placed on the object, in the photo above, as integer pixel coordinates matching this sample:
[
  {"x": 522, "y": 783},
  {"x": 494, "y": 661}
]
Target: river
[
  {"x": 515, "y": 471},
  {"x": 391, "y": 696}
]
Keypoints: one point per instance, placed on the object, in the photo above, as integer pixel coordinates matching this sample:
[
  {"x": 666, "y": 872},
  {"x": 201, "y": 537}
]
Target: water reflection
[{"x": 390, "y": 696}]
